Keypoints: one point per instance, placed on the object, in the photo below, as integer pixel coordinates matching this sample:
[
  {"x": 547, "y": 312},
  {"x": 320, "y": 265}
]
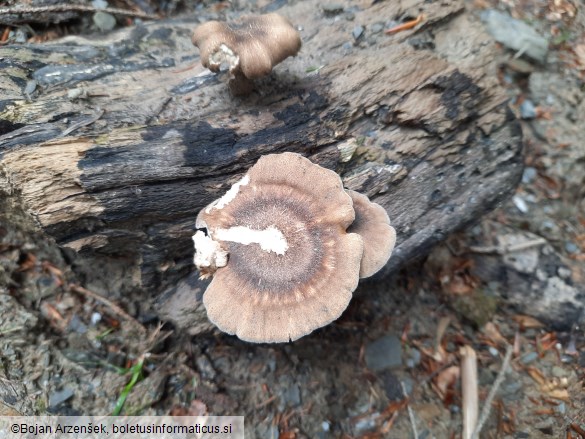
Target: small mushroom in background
[
  {"x": 249, "y": 48},
  {"x": 286, "y": 247}
]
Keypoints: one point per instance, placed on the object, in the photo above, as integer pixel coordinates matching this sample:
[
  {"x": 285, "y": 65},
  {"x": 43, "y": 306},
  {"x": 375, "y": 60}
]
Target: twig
[
  {"x": 74, "y": 8},
  {"x": 82, "y": 123},
  {"x": 485, "y": 412},
  {"x": 410, "y": 412},
  {"x": 115, "y": 308},
  {"x": 502, "y": 250},
  {"x": 469, "y": 390}
]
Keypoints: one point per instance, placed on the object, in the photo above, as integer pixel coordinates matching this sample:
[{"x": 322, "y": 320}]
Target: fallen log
[{"x": 113, "y": 145}]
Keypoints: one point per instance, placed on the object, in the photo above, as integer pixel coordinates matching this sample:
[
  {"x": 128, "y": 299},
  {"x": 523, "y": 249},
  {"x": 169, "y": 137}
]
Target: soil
[{"x": 391, "y": 362}]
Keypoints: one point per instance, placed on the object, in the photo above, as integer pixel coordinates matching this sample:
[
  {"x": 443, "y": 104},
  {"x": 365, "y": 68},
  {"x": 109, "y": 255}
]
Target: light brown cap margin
[{"x": 373, "y": 225}]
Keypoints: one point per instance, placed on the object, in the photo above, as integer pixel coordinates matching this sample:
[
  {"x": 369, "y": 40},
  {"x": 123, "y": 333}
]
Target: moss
[{"x": 478, "y": 307}]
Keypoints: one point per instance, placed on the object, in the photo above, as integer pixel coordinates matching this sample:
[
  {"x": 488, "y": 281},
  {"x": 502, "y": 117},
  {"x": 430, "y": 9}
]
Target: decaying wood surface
[{"x": 114, "y": 144}]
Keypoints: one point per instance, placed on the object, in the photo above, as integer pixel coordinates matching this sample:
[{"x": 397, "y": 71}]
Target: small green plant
[{"x": 136, "y": 372}]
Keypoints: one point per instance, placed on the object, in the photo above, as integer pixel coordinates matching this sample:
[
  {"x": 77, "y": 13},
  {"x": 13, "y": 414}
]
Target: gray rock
[
  {"x": 528, "y": 358},
  {"x": 58, "y": 398},
  {"x": 383, "y": 353},
  {"x": 332, "y": 9},
  {"x": 527, "y": 109},
  {"x": 357, "y": 32},
  {"x": 104, "y": 21},
  {"x": 515, "y": 34},
  {"x": 529, "y": 175}
]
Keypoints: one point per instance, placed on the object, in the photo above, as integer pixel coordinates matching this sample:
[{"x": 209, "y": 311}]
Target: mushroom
[
  {"x": 373, "y": 225},
  {"x": 280, "y": 247},
  {"x": 249, "y": 48}
]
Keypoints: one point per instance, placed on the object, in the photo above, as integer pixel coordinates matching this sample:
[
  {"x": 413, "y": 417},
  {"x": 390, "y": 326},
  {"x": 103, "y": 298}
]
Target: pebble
[
  {"x": 558, "y": 372},
  {"x": 376, "y": 28},
  {"x": 527, "y": 109},
  {"x": 58, "y": 398},
  {"x": 99, "y": 4},
  {"x": 515, "y": 34},
  {"x": 357, "y": 32},
  {"x": 104, "y": 21},
  {"x": 571, "y": 247},
  {"x": 332, "y": 9},
  {"x": 413, "y": 359},
  {"x": 564, "y": 272},
  {"x": 494, "y": 352},
  {"x": 528, "y": 358},
  {"x": 520, "y": 203},
  {"x": 528, "y": 175},
  {"x": 385, "y": 352},
  {"x": 561, "y": 408}
]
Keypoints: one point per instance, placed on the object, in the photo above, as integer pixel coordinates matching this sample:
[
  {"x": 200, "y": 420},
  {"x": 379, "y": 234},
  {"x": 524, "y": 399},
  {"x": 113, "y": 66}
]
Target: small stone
[
  {"x": 529, "y": 175},
  {"x": 571, "y": 247},
  {"x": 559, "y": 372},
  {"x": 292, "y": 396},
  {"x": 561, "y": 408},
  {"x": 347, "y": 46},
  {"x": 96, "y": 317},
  {"x": 527, "y": 109},
  {"x": 385, "y": 352},
  {"x": 413, "y": 359},
  {"x": 528, "y": 358},
  {"x": 104, "y": 21},
  {"x": 515, "y": 34},
  {"x": 376, "y": 28},
  {"x": 357, "y": 32},
  {"x": 58, "y": 398},
  {"x": 564, "y": 272},
  {"x": 520, "y": 203},
  {"x": 205, "y": 368},
  {"x": 493, "y": 352},
  {"x": 332, "y": 9},
  {"x": 99, "y": 4},
  {"x": 325, "y": 426}
]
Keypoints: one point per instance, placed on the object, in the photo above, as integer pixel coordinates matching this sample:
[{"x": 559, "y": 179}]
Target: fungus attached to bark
[
  {"x": 249, "y": 49},
  {"x": 281, "y": 249},
  {"x": 373, "y": 225}
]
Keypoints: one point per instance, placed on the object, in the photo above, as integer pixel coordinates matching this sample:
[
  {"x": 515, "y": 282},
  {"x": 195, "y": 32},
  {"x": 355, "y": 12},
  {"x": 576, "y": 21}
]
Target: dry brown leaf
[
  {"x": 536, "y": 375},
  {"x": 446, "y": 379},
  {"x": 491, "y": 331},
  {"x": 560, "y": 394}
]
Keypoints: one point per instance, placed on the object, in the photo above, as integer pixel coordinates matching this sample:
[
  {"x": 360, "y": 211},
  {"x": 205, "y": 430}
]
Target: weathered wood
[{"x": 125, "y": 139}]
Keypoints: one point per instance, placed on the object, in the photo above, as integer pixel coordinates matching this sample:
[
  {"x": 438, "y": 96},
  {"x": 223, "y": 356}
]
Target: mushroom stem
[{"x": 239, "y": 85}]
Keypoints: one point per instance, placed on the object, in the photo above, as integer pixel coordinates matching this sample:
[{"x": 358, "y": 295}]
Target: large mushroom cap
[
  {"x": 292, "y": 265},
  {"x": 373, "y": 225},
  {"x": 251, "y": 47}
]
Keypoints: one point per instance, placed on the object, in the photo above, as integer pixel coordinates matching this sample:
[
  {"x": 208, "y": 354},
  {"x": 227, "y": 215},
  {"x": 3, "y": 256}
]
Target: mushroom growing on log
[
  {"x": 249, "y": 48},
  {"x": 293, "y": 262},
  {"x": 117, "y": 190}
]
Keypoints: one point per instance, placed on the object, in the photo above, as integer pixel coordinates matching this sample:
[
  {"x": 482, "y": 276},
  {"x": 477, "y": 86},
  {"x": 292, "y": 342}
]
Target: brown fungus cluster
[
  {"x": 248, "y": 49},
  {"x": 286, "y": 247}
]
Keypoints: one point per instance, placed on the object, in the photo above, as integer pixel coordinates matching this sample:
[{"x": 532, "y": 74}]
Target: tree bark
[{"x": 114, "y": 145}]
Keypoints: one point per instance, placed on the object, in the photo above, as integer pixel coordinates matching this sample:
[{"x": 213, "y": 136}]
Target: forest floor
[{"x": 394, "y": 360}]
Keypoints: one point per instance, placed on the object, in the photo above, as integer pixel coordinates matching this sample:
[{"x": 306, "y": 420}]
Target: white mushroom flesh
[
  {"x": 224, "y": 56},
  {"x": 209, "y": 253},
  {"x": 270, "y": 239},
  {"x": 228, "y": 196}
]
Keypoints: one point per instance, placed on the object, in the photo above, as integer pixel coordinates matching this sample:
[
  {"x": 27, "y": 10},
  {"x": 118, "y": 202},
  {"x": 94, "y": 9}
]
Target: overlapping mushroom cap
[
  {"x": 281, "y": 251},
  {"x": 250, "y": 47}
]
